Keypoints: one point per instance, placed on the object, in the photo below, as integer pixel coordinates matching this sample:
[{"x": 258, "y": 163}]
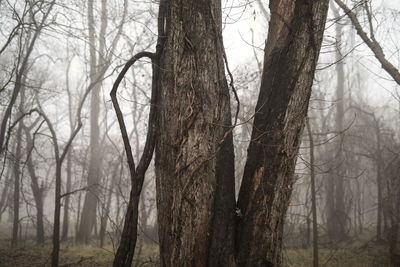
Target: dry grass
[
  {"x": 33, "y": 255},
  {"x": 349, "y": 255},
  {"x": 371, "y": 254}
]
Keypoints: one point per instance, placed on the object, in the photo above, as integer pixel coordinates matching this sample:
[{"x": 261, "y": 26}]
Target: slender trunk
[
  {"x": 106, "y": 210},
  {"x": 17, "y": 173},
  {"x": 313, "y": 197},
  {"x": 36, "y": 190},
  {"x": 57, "y": 209},
  {"x": 78, "y": 214},
  {"x": 379, "y": 163},
  {"x": 88, "y": 216},
  {"x": 336, "y": 215},
  {"x": 17, "y": 177},
  {"x": 340, "y": 213},
  {"x": 5, "y": 191},
  {"x": 64, "y": 235}
]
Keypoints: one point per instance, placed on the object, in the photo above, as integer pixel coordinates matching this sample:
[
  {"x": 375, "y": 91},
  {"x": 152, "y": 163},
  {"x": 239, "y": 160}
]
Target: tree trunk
[
  {"x": 313, "y": 197},
  {"x": 339, "y": 216},
  {"x": 88, "y": 216},
  {"x": 379, "y": 182},
  {"x": 17, "y": 177},
  {"x": 282, "y": 106},
  {"x": 64, "y": 235},
  {"x": 194, "y": 149},
  {"x": 106, "y": 207},
  {"x": 17, "y": 172},
  {"x": 5, "y": 191},
  {"x": 36, "y": 190},
  {"x": 57, "y": 211},
  {"x": 20, "y": 73}
]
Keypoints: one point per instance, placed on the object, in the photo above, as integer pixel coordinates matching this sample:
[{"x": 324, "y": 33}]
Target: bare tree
[
  {"x": 199, "y": 221},
  {"x": 24, "y": 64},
  {"x": 100, "y": 59}
]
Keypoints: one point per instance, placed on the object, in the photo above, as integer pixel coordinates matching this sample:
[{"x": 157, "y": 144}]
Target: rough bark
[
  {"x": 194, "y": 151},
  {"x": 282, "y": 106}
]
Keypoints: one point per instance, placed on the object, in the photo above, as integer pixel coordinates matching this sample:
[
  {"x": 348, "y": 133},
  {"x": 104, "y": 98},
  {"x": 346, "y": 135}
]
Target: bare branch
[{"x": 371, "y": 43}]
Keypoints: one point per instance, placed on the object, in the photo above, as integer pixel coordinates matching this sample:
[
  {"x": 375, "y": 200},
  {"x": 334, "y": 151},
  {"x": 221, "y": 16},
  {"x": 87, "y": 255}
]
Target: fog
[{"x": 61, "y": 146}]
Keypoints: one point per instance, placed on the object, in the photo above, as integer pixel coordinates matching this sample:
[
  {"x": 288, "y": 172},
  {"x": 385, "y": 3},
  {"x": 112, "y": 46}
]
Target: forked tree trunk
[{"x": 194, "y": 150}]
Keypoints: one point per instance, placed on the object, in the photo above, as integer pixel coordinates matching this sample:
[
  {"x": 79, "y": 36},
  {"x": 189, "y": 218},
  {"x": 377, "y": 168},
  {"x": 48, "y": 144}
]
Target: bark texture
[
  {"x": 279, "y": 121},
  {"x": 194, "y": 160},
  {"x": 194, "y": 150}
]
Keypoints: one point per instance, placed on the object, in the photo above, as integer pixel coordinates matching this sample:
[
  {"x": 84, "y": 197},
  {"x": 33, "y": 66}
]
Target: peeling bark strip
[
  {"x": 282, "y": 106},
  {"x": 195, "y": 175}
]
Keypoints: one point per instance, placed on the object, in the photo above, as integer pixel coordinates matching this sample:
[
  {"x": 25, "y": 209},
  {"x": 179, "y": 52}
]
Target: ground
[{"x": 352, "y": 254}]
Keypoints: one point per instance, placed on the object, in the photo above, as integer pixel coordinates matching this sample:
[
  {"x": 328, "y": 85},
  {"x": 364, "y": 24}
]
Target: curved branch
[
  {"x": 121, "y": 122},
  {"x": 127, "y": 244}
]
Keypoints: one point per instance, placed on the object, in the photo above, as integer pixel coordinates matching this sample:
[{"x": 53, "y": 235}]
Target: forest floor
[
  {"x": 366, "y": 255},
  {"x": 351, "y": 255}
]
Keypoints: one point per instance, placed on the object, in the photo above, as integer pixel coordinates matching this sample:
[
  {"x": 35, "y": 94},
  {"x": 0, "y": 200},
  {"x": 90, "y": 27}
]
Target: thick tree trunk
[
  {"x": 194, "y": 150},
  {"x": 282, "y": 106}
]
